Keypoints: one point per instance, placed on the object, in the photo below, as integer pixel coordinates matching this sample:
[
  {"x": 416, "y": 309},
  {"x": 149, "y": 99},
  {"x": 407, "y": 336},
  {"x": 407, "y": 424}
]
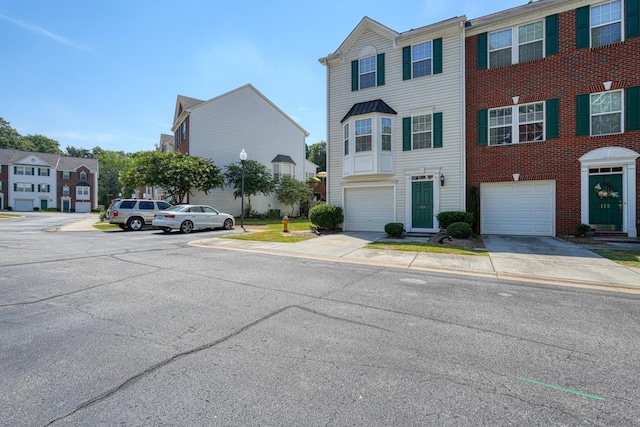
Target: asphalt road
[{"x": 141, "y": 329}]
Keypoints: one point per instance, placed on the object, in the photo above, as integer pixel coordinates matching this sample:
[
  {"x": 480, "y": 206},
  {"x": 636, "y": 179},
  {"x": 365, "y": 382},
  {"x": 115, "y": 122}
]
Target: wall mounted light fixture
[{"x": 441, "y": 180}]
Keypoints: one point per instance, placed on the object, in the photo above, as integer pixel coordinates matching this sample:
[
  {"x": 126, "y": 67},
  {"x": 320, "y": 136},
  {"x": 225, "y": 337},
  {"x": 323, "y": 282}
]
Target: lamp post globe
[{"x": 243, "y": 159}]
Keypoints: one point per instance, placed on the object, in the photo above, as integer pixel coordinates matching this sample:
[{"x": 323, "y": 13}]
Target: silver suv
[{"x": 133, "y": 214}]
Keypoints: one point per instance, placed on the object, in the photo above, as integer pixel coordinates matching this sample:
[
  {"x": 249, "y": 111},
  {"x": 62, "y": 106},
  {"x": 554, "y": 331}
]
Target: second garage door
[
  {"x": 518, "y": 208},
  {"x": 368, "y": 208}
]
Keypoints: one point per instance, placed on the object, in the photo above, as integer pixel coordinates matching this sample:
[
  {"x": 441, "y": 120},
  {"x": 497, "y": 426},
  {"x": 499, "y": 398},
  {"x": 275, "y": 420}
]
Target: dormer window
[
  {"x": 368, "y": 70},
  {"x": 83, "y": 175}
]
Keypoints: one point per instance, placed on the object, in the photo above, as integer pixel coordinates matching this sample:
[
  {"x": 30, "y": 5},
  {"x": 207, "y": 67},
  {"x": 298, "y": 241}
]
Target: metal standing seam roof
[
  {"x": 377, "y": 106},
  {"x": 281, "y": 158}
]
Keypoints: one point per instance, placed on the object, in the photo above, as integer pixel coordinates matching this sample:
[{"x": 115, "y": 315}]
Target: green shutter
[
  {"x": 552, "y": 111},
  {"x": 33, "y": 171},
  {"x": 380, "y": 70},
  {"x": 551, "y": 23},
  {"x": 437, "y": 130},
  {"x": 354, "y": 75},
  {"x": 583, "y": 115},
  {"x": 15, "y": 187},
  {"x": 483, "y": 127},
  {"x": 582, "y": 27},
  {"x": 437, "y": 56},
  {"x": 632, "y": 99},
  {"x": 482, "y": 52},
  {"x": 33, "y": 187},
  {"x": 406, "y": 63},
  {"x": 406, "y": 134},
  {"x": 61, "y": 174},
  {"x": 15, "y": 170},
  {"x": 633, "y": 18}
]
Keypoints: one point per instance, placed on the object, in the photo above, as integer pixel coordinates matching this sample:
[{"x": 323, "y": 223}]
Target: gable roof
[
  {"x": 55, "y": 161},
  {"x": 184, "y": 103},
  {"x": 377, "y": 106},
  {"x": 248, "y": 86}
]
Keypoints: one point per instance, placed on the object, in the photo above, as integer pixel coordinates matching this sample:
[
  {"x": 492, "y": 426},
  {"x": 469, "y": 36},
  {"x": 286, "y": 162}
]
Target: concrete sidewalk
[{"x": 538, "y": 259}]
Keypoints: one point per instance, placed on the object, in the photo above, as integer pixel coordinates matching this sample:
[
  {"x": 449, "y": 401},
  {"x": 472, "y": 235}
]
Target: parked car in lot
[
  {"x": 133, "y": 214},
  {"x": 187, "y": 218}
]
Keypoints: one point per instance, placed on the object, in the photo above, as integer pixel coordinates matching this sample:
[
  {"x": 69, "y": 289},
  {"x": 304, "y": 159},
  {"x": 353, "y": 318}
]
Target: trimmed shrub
[
  {"x": 460, "y": 230},
  {"x": 581, "y": 229},
  {"x": 394, "y": 229},
  {"x": 445, "y": 219},
  {"x": 326, "y": 216}
]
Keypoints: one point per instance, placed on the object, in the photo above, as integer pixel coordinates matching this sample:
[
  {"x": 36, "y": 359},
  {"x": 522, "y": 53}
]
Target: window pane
[
  {"x": 500, "y": 126},
  {"x": 606, "y": 23},
  {"x": 421, "y": 55},
  {"x": 346, "y": 139},
  {"x": 606, "y": 102},
  {"x": 386, "y": 134},
  {"x": 500, "y": 58},
  {"x": 363, "y": 143},
  {"x": 608, "y": 34},
  {"x": 367, "y": 72},
  {"x": 421, "y": 132},
  {"x": 530, "y": 51},
  {"x": 500, "y": 39},
  {"x": 363, "y": 135},
  {"x": 530, "y": 32}
]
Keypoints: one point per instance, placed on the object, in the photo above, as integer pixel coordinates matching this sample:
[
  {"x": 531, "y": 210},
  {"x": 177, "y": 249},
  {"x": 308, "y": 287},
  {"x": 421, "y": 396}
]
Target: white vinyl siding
[{"x": 407, "y": 98}]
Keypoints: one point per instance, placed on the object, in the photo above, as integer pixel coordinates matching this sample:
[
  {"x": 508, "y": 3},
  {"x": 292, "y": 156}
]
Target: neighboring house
[
  {"x": 553, "y": 117},
  {"x": 39, "y": 181},
  {"x": 396, "y": 125},
  {"x": 220, "y": 128}
]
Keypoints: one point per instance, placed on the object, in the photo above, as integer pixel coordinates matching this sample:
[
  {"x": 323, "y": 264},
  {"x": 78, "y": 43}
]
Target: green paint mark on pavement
[{"x": 566, "y": 390}]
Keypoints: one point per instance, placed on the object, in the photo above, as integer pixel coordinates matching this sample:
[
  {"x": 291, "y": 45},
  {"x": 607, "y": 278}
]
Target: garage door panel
[
  {"x": 518, "y": 208},
  {"x": 368, "y": 208}
]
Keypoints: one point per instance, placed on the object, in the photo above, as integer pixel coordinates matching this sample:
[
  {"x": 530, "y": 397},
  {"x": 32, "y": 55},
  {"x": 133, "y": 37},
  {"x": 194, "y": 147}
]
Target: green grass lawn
[
  {"x": 425, "y": 247},
  {"x": 626, "y": 257},
  {"x": 273, "y": 231}
]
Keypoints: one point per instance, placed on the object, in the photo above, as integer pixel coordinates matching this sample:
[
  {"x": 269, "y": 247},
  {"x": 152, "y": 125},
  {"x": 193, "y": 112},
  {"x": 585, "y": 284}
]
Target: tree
[
  {"x": 9, "y": 137},
  {"x": 257, "y": 179},
  {"x": 178, "y": 174},
  {"x": 291, "y": 191},
  {"x": 41, "y": 144},
  {"x": 318, "y": 155},
  {"x": 80, "y": 152},
  {"x": 111, "y": 164}
]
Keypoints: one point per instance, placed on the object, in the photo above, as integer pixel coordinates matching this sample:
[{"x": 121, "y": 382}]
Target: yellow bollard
[{"x": 285, "y": 224}]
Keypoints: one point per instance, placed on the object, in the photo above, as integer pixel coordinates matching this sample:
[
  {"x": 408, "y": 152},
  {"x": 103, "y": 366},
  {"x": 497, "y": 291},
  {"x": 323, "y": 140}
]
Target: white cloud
[{"x": 43, "y": 32}]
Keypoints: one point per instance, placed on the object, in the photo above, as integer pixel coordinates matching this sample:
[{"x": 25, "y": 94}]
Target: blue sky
[{"x": 107, "y": 73}]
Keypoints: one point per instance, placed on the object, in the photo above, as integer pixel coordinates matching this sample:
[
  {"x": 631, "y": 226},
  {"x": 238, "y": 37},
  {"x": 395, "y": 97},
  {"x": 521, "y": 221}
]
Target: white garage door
[
  {"x": 83, "y": 207},
  {"x": 368, "y": 209},
  {"x": 518, "y": 208},
  {"x": 23, "y": 205}
]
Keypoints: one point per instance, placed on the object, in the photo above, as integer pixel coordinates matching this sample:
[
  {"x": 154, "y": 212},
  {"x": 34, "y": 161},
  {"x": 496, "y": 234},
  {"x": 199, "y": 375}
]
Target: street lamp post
[{"x": 243, "y": 159}]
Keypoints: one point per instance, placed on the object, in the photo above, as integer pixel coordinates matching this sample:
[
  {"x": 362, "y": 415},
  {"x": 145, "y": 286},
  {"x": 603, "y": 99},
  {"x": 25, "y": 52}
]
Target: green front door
[
  {"x": 43, "y": 204},
  {"x": 422, "y": 204},
  {"x": 66, "y": 205},
  {"x": 605, "y": 202}
]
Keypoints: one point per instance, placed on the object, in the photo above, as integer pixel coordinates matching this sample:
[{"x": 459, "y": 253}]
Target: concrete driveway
[{"x": 549, "y": 258}]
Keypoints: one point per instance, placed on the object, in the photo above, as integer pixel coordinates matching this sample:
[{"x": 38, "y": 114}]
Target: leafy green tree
[
  {"x": 291, "y": 191},
  {"x": 111, "y": 164},
  {"x": 41, "y": 144},
  {"x": 9, "y": 137},
  {"x": 257, "y": 179},
  {"x": 318, "y": 155},
  {"x": 178, "y": 174},
  {"x": 80, "y": 152}
]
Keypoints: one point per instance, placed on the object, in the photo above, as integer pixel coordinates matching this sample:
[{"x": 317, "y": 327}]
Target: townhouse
[{"x": 40, "y": 181}]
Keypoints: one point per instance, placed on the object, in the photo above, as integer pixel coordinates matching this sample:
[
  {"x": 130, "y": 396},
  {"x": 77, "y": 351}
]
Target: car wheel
[
  {"x": 186, "y": 227},
  {"x": 122, "y": 226},
  {"x": 166, "y": 230},
  {"x": 228, "y": 224},
  {"x": 135, "y": 223}
]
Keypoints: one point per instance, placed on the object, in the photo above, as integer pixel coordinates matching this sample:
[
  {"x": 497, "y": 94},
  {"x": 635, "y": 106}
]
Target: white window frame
[
  {"x": 83, "y": 192},
  {"x": 44, "y": 188},
  {"x": 593, "y": 115},
  {"x": 24, "y": 187},
  {"x": 514, "y": 121},
  {"x": 361, "y": 126},
  {"x": 593, "y": 27},
  {"x": 346, "y": 139},
  {"x": 66, "y": 174},
  {"x": 283, "y": 169},
  {"x": 416, "y": 58},
  {"x": 82, "y": 175},
  {"x": 65, "y": 190},
  {"x": 515, "y": 43},
  {"x": 367, "y": 67},
  {"x": 422, "y": 128},
  {"x": 386, "y": 130}
]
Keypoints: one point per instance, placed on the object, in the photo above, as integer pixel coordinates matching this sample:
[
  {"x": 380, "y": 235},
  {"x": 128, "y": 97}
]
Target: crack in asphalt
[{"x": 132, "y": 380}]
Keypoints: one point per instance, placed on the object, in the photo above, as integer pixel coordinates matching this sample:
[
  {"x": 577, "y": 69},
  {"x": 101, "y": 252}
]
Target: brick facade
[{"x": 563, "y": 76}]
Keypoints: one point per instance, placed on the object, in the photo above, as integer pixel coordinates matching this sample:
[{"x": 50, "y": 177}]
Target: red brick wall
[{"x": 563, "y": 76}]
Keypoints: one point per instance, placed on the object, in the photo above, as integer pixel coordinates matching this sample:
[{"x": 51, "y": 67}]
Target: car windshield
[{"x": 176, "y": 208}]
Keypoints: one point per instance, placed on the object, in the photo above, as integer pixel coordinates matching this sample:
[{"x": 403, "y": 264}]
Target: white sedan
[{"x": 187, "y": 218}]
